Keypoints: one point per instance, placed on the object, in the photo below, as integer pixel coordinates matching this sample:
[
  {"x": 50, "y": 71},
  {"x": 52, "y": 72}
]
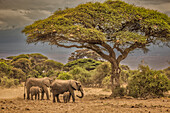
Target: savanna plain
[{"x": 95, "y": 101}]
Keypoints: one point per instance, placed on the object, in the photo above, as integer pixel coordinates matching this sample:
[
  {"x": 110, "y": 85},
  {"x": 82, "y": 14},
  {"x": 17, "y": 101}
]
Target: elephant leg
[
  {"x": 31, "y": 96},
  {"x": 38, "y": 96},
  {"x": 42, "y": 95},
  {"x": 35, "y": 96},
  {"x": 73, "y": 96},
  {"x": 54, "y": 98},
  {"x": 58, "y": 100},
  {"x": 64, "y": 98},
  {"x": 69, "y": 97},
  {"x": 46, "y": 91},
  {"x": 28, "y": 93}
]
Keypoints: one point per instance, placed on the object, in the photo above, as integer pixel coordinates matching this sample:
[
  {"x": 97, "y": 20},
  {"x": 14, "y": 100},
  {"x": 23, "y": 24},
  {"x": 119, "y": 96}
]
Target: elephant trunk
[{"x": 82, "y": 94}]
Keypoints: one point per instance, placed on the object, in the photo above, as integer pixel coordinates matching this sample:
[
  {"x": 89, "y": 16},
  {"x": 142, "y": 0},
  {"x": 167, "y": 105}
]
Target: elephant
[
  {"x": 35, "y": 90},
  {"x": 61, "y": 86},
  {"x": 66, "y": 97},
  {"x": 43, "y": 83}
]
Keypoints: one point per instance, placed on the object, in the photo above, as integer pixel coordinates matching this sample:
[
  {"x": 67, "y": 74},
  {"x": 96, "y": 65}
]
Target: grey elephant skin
[
  {"x": 35, "y": 91},
  {"x": 61, "y": 86},
  {"x": 43, "y": 83},
  {"x": 66, "y": 97}
]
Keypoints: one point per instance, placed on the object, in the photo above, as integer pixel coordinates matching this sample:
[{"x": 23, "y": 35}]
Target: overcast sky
[{"x": 16, "y": 14}]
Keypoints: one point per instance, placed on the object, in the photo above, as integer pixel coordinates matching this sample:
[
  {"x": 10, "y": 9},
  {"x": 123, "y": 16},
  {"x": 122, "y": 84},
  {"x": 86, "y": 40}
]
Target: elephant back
[{"x": 38, "y": 82}]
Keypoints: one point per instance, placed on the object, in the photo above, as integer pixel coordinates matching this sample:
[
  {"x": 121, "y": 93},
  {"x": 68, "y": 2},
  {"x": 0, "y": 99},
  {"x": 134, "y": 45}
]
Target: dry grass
[{"x": 94, "y": 101}]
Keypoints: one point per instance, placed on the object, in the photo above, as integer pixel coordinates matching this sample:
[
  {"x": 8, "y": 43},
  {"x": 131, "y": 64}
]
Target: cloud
[
  {"x": 18, "y": 18},
  {"x": 12, "y": 19},
  {"x": 159, "y": 5},
  {"x": 18, "y": 13}
]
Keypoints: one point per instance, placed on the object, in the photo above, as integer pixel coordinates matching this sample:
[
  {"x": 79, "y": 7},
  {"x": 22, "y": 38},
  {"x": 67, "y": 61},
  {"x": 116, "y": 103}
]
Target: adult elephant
[
  {"x": 61, "y": 86},
  {"x": 43, "y": 83}
]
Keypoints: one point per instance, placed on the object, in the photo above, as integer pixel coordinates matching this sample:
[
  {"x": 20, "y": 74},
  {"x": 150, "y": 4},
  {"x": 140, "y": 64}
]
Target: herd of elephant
[{"x": 34, "y": 86}]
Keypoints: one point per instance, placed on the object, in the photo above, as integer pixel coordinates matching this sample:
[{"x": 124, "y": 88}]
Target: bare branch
[{"x": 127, "y": 50}]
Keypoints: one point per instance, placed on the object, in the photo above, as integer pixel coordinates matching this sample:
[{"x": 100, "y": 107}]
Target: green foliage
[
  {"x": 167, "y": 72},
  {"x": 6, "y": 82},
  {"x": 88, "y": 64},
  {"x": 64, "y": 76},
  {"x": 51, "y": 64},
  {"x": 23, "y": 64},
  {"x": 17, "y": 68},
  {"x": 81, "y": 74},
  {"x": 102, "y": 71},
  {"x": 106, "y": 82},
  {"x": 148, "y": 83},
  {"x": 34, "y": 73},
  {"x": 18, "y": 74},
  {"x": 19, "y": 57},
  {"x": 119, "y": 91},
  {"x": 93, "y": 22},
  {"x": 5, "y": 68},
  {"x": 37, "y": 58}
]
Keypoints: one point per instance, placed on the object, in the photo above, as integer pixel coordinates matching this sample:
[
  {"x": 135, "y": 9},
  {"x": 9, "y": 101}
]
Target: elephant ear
[
  {"x": 74, "y": 84},
  {"x": 46, "y": 82}
]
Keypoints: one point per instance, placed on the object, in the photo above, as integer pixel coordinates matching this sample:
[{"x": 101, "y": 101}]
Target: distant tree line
[{"x": 143, "y": 82}]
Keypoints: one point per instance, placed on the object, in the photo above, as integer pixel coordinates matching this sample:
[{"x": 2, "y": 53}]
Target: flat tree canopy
[{"x": 104, "y": 28}]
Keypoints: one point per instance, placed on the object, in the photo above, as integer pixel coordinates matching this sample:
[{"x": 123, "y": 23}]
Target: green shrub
[
  {"x": 148, "y": 83},
  {"x": 34, "y": 73},
  {"x": 18, "y": 74},
  {"x": 81, "y": 74},
  {"x": 119, "y": 91},
  {"x": 106, "y": 82},
  {"x": 5, "y": 68},
  {"x": 102, "y": 71},
  {"x": 5, "y": 82},
  {"x": 64, "y": 76}
]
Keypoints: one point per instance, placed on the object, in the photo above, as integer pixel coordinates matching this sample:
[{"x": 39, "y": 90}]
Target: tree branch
[{"x": 127, "y": 50}]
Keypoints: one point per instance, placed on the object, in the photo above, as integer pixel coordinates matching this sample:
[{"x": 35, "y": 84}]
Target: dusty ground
[{"x": 11, "y": 101}]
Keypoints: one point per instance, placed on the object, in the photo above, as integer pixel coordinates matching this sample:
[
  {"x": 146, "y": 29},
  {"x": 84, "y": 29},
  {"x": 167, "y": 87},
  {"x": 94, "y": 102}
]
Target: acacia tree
[{"x": 104, "y": 28}]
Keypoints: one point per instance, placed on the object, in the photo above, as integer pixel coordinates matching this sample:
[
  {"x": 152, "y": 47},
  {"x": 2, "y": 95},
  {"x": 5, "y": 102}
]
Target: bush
[
  {"x": 81, "y": 75},
  {"x": 64, "y": 76},
  {"x": 34, "y": 73},
  {"x": 5, "y": 82},
  {"x": 148, "y": 83},
  {"x": 106, "y": 82},
  {"x": 102, "y": 71},
  {"x": 119, "y": 91},
  {"x": 5, "y": 68},
  {"x": 18, "y": 74}
]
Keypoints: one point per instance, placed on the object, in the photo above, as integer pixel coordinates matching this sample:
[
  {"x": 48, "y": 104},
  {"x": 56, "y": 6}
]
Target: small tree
[
  {"x": 104, "y": 28},
  {"x": 88, "y": 64},
  {"x": 148, "y": 83}
]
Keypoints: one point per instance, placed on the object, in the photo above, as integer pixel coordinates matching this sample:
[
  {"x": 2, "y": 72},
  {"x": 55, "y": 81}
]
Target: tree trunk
[{"x": 115, "y": 82}]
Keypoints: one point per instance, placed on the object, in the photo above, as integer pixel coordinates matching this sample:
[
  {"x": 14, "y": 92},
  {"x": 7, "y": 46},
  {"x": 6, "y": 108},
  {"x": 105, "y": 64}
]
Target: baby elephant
[
  {"x": 66, "y": 97},
  {"x": 35, "y": 90}
]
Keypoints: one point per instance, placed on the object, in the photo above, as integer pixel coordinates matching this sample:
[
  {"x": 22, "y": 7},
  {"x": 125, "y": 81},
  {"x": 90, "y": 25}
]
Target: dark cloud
[{"x": 156, "y": 2}]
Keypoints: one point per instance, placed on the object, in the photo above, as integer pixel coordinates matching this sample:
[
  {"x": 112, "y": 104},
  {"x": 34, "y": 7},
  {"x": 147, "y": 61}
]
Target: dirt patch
[{"x": 94, "y": 101}]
